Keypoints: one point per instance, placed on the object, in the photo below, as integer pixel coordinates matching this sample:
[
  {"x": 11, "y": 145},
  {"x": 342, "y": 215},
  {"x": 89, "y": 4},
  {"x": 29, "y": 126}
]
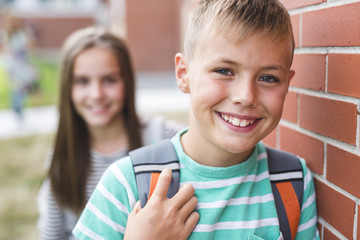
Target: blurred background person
[
  {"x": 18, "y": 42},
  {"x": 98, "y": 124}
]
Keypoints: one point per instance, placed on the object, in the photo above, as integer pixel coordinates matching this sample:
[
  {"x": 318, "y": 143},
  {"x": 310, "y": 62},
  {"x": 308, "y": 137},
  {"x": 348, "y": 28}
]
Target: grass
[
  {"x": 48, "y": 84},
  {"x": 21, "y": 172}
]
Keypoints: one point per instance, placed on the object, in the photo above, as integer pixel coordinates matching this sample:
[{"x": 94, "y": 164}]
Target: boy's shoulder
[{"x": 149, "y": 161}]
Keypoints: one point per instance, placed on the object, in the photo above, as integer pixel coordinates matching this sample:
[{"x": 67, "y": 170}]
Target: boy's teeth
[
  {"x": 243, "y": 123},
  {"x": 236, "y": 121}
]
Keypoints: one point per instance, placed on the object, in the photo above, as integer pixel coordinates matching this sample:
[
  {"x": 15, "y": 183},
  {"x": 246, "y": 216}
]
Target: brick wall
[
  {"x": 321, "y": 120},
  {"x": 51, "y": 32},
  {"x": 153, "y": 33}
]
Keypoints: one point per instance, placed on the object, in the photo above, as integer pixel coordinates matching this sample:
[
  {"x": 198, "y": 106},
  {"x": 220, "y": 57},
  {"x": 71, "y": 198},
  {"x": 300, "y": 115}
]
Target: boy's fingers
[
  {"x": 163, "y": 183},
  {"x": 183, "y": 195},
  {"x": 136, "y": 208},
  {"x": 186, "y": 210},
  {"x": 191, "y": 222}
]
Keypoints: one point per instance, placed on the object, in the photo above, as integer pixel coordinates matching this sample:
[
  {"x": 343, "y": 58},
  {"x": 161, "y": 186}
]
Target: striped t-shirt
[
  {"x": 233, "y": 202},
  {"x": 56, "y": 222}
]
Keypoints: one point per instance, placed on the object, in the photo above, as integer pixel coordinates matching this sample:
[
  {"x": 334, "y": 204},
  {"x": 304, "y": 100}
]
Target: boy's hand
[{"x": 164, "y": 218}]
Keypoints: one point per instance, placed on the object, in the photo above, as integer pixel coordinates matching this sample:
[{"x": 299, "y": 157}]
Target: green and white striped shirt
[{"x": 233, "y": 202}]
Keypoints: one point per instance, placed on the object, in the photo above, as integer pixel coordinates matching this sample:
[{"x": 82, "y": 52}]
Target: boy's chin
[{"x": 240, "y": 151}]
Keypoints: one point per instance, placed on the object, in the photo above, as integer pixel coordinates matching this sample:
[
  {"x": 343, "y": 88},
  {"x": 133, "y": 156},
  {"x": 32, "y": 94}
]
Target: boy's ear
[
  {"x": 181, "y": 72},
  {"x": 291, "y": 75}
]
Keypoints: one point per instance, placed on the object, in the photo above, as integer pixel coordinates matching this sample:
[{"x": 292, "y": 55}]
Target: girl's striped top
[
  {"x": 55, "y": 222},
  {"x": 233, "y": 202}
]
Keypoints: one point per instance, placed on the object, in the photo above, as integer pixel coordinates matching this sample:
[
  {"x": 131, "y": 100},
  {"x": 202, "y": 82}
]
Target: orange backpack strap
[
  {"x": 148, "y": 163},
  {"x": 287, "y": 182},
  {"x": 285, "y": 170}
]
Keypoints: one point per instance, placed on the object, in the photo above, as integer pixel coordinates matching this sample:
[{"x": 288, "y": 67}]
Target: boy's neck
[{"x": 207, "y": 155}]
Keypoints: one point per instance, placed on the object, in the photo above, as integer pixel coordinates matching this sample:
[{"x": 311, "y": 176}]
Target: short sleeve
[{"x": 105, "y": 215}]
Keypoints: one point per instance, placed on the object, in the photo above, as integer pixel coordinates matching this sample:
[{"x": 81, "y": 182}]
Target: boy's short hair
[{"x": 239, "y": 19}]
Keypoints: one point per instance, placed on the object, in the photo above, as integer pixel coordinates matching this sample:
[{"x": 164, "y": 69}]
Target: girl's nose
[{"x": 96, "y": 90}]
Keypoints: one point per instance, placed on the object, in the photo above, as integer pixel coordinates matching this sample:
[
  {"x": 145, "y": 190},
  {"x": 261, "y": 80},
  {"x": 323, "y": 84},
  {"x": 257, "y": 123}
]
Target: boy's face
[{"x": 237, "y": 92}]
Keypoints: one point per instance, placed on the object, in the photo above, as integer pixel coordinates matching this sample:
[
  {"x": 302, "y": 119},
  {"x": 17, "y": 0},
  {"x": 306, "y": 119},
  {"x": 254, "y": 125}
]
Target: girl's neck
[{"x": 108, "y": 140}]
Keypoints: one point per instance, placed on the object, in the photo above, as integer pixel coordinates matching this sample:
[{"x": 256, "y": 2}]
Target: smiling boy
[{"x": 236, "y": 68}]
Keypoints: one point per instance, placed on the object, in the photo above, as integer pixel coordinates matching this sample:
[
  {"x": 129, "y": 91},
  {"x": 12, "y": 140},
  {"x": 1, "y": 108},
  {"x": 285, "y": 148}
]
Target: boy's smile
[
  {"x": 244, "y": 122},
  {"x": 237, "y": 93}
]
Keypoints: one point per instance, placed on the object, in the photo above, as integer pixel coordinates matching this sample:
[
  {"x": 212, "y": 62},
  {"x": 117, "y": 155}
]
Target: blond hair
[{"x": 238, "y": 19}]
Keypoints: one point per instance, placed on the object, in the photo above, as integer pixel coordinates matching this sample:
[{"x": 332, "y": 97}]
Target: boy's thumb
[{"x": 136, "y": 208}]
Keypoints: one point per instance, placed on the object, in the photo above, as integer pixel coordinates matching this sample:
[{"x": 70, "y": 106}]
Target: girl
[{"x": 98, "y": 124}]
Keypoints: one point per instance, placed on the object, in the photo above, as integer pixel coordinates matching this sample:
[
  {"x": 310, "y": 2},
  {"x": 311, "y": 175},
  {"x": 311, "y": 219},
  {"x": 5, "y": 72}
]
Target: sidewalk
[{"x": 42, "y": 120}]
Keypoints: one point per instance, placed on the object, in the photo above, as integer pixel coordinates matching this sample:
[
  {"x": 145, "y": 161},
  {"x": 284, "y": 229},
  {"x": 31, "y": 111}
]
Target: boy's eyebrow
[
  {"x": 270, "y": 67},
  {"x": 274, "y": 67},
  {"x": 225, "y": 60}
]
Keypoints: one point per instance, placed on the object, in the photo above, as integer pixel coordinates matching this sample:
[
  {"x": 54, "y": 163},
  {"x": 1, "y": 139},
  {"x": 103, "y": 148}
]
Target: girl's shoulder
[{"x": 157, "y": 128}]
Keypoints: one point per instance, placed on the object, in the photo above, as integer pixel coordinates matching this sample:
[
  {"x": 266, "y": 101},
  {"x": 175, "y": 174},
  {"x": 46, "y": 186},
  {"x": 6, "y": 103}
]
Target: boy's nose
[{"x": 244, "y": 93}]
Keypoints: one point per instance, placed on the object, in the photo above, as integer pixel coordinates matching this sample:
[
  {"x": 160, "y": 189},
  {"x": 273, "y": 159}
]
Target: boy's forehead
[
  {"x": 235, "y": 35},
  {"x": 221, "y": 39}
]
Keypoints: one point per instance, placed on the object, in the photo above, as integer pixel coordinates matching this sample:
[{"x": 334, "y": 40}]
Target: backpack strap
[
  {"x": 148, "y": 163},
  {"x": 287, "y": 183},
  {"x": 285, "y": 171}
]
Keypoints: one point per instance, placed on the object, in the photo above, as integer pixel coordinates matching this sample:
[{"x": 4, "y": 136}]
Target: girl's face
[{"x": 98, "y": 88}]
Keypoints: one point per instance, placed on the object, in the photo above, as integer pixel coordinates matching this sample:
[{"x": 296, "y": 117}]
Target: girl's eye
[
  {"x": 80, "y": 80},
  {"x": 268, "y": 79},
  {"x": 224, "y": 71},
  {"x": 109, "y": 79}
]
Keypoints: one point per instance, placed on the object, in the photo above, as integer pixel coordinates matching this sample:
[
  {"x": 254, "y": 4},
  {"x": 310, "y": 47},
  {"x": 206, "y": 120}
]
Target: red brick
[
  {"x": 52, "y": 31},
  {"x": 335, "y": 208},
  {"x": 358, "y": 220},
  {"x": 331, "y": 118},
  {"x": 295, "y": 22},
  {"x": 153, "y": 33},
  {"x": 310, "y": 149},
  {"x": 270, "y": 140},
  {"x": 343, "y": 74},
  {"x": 329, "y": 235},
  {"x": 291, "y": 4},
  {"x": 309, "y": 71},
  {"x": 342, "y": 166},
  {"x": 336, "y": 26},
  {"x": 290, "y": 107}
]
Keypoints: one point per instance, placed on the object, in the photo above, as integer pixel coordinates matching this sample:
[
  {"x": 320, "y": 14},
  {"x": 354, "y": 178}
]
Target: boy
[{"x": 236, "y": 68}]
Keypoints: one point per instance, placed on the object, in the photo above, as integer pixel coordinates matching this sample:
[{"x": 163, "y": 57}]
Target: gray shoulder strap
[
  {"x": 153, "y": 159},
  {"x": 285, "y": 167}
]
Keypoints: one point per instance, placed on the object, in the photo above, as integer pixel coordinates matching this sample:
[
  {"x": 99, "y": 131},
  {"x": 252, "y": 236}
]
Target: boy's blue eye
[
  {"x": 224, "y": 71},
  {"x": 269, "y": 79}
]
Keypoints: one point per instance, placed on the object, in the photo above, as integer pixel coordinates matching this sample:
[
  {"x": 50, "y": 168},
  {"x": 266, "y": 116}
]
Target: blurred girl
[{"x": 98, "y": 124}]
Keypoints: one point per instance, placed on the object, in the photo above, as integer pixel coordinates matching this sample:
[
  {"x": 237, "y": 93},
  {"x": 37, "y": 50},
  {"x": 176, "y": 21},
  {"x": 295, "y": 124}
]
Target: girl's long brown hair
[{"x": 71, "y": 158}]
